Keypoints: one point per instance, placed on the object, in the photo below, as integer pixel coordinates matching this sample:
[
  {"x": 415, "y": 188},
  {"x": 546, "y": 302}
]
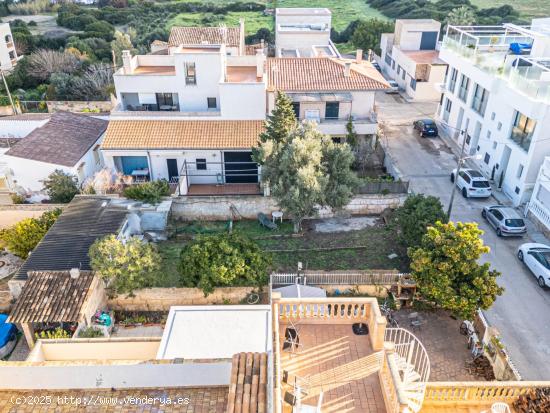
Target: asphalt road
[{"x": 522, "y": 313}]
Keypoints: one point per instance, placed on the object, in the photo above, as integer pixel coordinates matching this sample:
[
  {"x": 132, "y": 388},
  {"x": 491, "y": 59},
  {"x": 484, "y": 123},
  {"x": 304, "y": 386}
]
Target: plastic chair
[{"x": 500, "y": 407}]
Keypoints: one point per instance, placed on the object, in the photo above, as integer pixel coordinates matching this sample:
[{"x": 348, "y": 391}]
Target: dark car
[
  {"x": 426, "y": 127},
  {"x": 377, "y": 66}
]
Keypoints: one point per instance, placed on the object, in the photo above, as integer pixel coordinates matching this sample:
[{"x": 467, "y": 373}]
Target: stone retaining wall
[
  {"x": 189, "y": 208},
  {"x": 161, "y": 299},
  {"x": 78, "y": 106}
]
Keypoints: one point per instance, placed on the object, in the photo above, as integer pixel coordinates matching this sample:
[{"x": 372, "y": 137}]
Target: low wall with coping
[
  {"x": 189, "y": 208},
  {"x": 30, "y": 207},
  {"x": 161, "y": 299},
  {"x": 79, "y": 106}
]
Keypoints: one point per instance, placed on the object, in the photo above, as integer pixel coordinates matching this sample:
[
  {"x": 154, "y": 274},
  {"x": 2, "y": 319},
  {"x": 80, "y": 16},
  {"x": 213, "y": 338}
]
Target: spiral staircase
[{"x": 410, "y": 366}]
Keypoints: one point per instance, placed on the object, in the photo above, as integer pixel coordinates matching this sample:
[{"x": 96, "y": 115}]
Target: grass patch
[
  {"x": 375, "y": 244},
  {"x": 253, "y": 20}
]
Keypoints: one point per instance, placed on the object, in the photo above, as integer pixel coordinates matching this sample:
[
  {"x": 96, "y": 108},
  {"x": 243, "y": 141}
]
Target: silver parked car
[{"x": 506, "y": 221}]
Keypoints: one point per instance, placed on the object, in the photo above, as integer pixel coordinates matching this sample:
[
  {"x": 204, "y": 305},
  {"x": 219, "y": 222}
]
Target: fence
[
  {"x": 338, "y": 278},
  {"x": 390, "y": 187}
]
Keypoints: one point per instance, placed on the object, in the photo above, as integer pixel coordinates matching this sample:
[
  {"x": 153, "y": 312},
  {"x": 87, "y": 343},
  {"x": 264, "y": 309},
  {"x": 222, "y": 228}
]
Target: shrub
[
  {"x": 223, "y": 260},
  {"x": 61, "y": 187},
  {"x": 24, "y": 236},
  {"x": 126, "y": 266},
  {"x": 150, "y": 192},
  {"x": 17, "y": 198},
  {"x": 90, "y": 332},
  {"x": 52, "y": 334}
]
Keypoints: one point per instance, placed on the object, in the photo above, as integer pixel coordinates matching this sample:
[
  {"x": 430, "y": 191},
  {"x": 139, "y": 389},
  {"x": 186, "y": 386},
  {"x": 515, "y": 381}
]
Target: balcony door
[
  {"x": 173, "y": 173},
  {"x": 165, "y": 101}
]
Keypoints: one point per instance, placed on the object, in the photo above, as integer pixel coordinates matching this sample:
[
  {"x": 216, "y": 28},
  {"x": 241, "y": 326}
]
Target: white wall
[
  {"x": 29, "y": 174},
  {"x": 286, "y": 38},
  {"x": 242, "y": 101},
  {"x": 5, "y": 60},
  {"x": 120, "y": 376},
  {"x": 19, "y": 128},
  {"x": 409, "y": 32}
]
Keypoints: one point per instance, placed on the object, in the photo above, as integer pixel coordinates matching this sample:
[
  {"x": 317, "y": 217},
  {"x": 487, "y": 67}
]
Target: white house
[
  {"x": 8, "y": 54},
  {"x": 328, "y": 91},
  {"x": 303, "y": 32},
  {"x": 497, "y": 98},
  {"x": 409, "y": 56},
  {"x": 68, "y": 142}
]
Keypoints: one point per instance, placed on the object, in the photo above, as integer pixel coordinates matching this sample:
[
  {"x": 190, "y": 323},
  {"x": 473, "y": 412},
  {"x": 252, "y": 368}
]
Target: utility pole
[
  {"x": 14, "y": 108},
  {"x": 458, "y": 165}
]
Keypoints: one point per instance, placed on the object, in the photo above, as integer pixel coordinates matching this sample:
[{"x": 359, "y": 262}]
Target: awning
[{"x": 321, "y": 97}]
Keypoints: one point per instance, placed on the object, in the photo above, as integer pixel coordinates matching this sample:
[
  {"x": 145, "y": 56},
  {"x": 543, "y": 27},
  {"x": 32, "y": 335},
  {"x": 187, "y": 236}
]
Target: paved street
[{"x": 522, "y": 313}]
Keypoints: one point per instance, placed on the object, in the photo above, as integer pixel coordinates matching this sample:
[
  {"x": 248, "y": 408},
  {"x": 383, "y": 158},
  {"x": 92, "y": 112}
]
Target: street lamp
[{"x": 459, "y": 163}]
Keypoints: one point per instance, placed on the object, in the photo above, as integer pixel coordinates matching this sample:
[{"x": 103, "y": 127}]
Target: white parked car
[
  {"x": 394, "y": 87},
  {"x": 537, "y": 258},
  {"x": 471, "y": 183}
]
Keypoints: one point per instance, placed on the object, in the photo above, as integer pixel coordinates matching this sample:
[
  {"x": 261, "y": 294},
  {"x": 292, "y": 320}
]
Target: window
[
  {"x": 463, "y": 90},
  {"x": 488, "y": 134},
  {"x": 447, "y": 110},
  {"x": 522, "y": 130},
  {"x": 520, "y": 171},
  {"x": 487, "y": 158},
  {"x": 212, "y": 104},
  {"x": 12, "y": 55},
  {"x": 403, "y": 75},
  {"x": 165, "y": 101},
  {"x": 479, "y": 103},
  {"x": 201, "y": 164},
  {"x": 452, "y": 80},
  {"x": 517, "y": 192},
  {"x": 393, "y": 64},
  {"x": 413, "y": 84},
  {"x": 296, "y": 107},
  {"x": 499, "y": 126},
  {"x": 190, "y": 74},
  {"x": 497, "y": 214},
  {"x": 495, "y": 145},
  {"x": 97, "y": 158},
  {"x": 398, "y": 69},
  {"x": 493, "y": 115},
  {"x": 468, "y": 139},
  {"x": 337, "y": 139},
  {"x": 332, "y": 110},
  {"x": 388, "y": 59}
]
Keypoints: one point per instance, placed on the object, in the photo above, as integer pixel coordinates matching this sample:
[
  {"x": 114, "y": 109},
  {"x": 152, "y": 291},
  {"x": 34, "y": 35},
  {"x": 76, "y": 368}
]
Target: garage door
[{"x": 240, "y": 168}]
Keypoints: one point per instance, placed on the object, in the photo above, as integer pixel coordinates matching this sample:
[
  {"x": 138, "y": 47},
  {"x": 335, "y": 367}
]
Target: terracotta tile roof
[
  {"x": 321, "y": 74},
  {"x": 201, "y": 400},
  {"x": 51, "y": 296},
  {"x": 202, "y": 35},
  {"x": 64, "y": 140},
  {"x": 182, "y": 134},
  {"x": 248, "y": 385}
]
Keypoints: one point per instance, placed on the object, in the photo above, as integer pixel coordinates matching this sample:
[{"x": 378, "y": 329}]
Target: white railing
[
  {"x": 541, "y": 212},
  {"x": 409, "y": 347},
  {"x": 338, "y": 278}
]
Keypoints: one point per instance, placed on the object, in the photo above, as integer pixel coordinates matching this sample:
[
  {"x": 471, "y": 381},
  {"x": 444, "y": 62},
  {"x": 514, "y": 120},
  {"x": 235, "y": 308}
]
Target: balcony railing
[{"x": 119, "y": 110}]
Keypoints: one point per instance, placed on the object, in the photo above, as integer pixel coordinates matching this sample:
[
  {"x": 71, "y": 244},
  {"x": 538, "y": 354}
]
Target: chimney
[
  {"x": 241, "y": 37},
  {"x": 347, "y": 69},
  {"x": 359, "y": 55},
  {"x": 74, "y": 273},
  {"x": 127, "y": 62},
  {"x": 260, "y": 63}
]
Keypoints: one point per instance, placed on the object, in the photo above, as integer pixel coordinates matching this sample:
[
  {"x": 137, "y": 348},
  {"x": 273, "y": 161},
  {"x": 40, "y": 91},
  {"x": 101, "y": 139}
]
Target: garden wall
[
  {"x": 161, "y": 299},
  {"x": 76, "y": 106},
  {"x": 191, "y": 208}
]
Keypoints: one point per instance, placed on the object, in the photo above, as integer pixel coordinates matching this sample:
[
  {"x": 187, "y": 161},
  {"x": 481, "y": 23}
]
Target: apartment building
[
  {"x": 328, "y": 91},
  {"x": 496, "y": 100},
  {"x": 303, "y": 32},
  {"x": 410, "y": 57},
  {"x": 8, "y": 54}
]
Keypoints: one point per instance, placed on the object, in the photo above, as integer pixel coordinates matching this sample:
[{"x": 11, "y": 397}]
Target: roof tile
[{"x": 203, "y": 35}]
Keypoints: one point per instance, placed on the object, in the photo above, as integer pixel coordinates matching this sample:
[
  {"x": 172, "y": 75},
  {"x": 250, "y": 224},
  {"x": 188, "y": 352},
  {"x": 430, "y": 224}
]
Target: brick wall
[{"x": 161, "y": 299}]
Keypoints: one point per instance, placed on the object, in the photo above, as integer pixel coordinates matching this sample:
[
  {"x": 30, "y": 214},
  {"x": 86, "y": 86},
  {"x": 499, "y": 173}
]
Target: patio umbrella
[{"x": 301, "y": 291}]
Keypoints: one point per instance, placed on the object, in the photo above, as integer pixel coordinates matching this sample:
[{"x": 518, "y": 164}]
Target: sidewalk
[{"x": 533, "y": 233}]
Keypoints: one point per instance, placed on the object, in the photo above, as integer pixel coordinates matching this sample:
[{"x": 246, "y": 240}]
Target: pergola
[{"x": 57, "y": 297}]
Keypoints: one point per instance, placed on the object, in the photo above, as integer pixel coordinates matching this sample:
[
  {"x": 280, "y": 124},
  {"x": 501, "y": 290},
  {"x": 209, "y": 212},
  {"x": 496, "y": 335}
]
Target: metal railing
[
  {"x": 338, "y": 278},
  {"x": 409, "y": 348}
]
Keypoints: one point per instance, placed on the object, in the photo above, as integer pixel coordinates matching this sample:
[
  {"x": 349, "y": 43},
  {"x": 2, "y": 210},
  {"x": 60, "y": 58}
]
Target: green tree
[
  {"x": 307, "y": 171},
  {"x": 351, "y": 135},
  {"x": 446, "y": 269},
  {"x": 23, "y": 237},
  {"x": 223, "y": 260},
  {"x": 281, "y": 122},
  {"x": 61, "y": 187},
  {"x": 416, "y": 215},
  {"x": 461, "y": 16},
  {"x": 367, "y": 34},
  {"x": 125, "y": 266},
  {"x": 121, "y": 41}
]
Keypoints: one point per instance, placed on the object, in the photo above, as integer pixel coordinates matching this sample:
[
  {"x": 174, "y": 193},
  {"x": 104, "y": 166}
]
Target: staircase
[{"x": 410, "y": 366}]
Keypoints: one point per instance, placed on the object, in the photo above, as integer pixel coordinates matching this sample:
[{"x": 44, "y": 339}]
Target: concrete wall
[
  {"x": 217, "y": 207},
  {"x": 29, "y": 376},
  {"x": 161, "y": 299}
]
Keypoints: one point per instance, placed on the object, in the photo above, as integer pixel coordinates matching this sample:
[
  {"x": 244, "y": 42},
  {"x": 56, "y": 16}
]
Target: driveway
[{"x": 522, "y": 313}]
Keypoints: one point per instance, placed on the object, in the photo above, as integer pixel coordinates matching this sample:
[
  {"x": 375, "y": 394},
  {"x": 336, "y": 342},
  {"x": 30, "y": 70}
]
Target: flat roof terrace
[
  {"x": 242, "y": 74},
  {"x": 155, "y": 70}
]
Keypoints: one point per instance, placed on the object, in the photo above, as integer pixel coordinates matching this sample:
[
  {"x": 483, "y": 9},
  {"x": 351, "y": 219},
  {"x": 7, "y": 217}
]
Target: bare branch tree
[{"x": 43, "y": 63}]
